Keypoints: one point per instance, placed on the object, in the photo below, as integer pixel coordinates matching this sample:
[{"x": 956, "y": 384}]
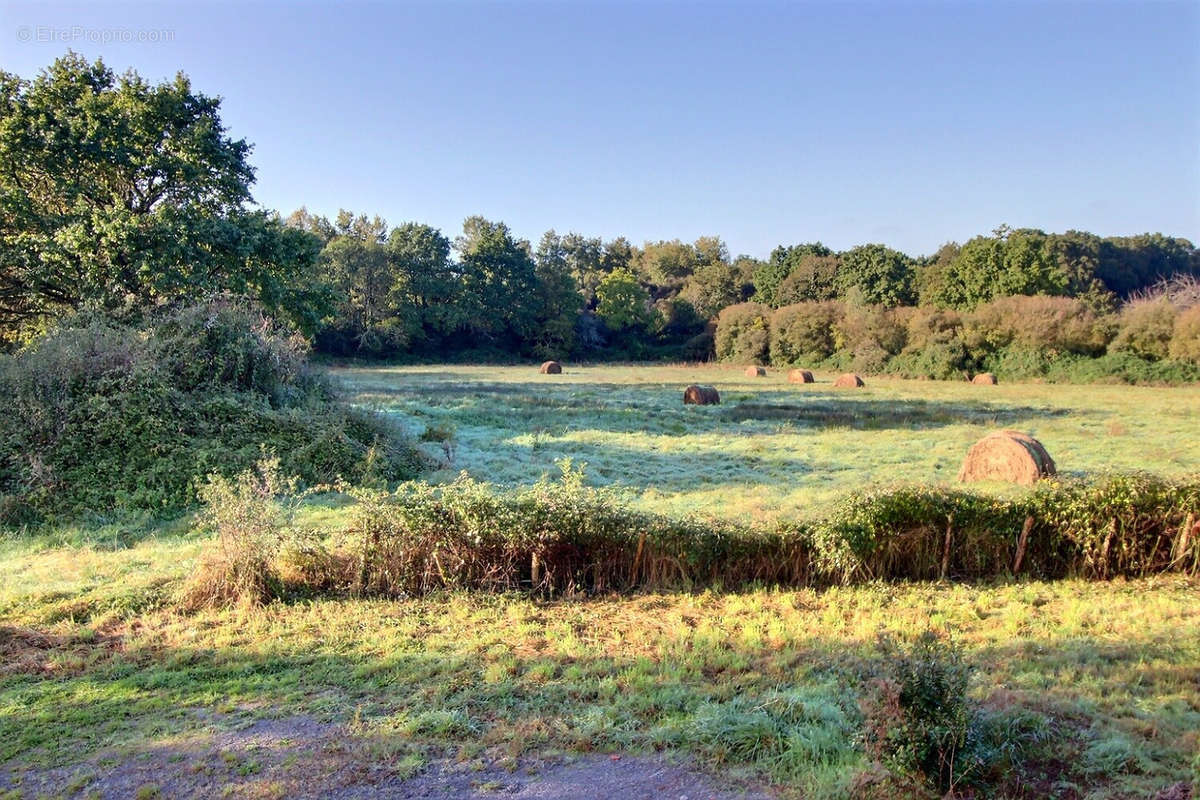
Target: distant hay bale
[
  {"x": 848, "y": 381},
  {"x": 800, "y": 376},
  {"x": 695, "y": 395},
  {"x": 985, "y": 379},
  {"x": 756, "y": 372},
  {"x": 1009, "y": 456},
  {"x": 551, "y": 368}
]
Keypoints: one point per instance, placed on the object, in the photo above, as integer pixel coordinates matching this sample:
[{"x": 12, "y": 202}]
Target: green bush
[
  {"x": 557, "y": 536},
  {"x": 106, "y": 418},
  {"x": 1185, "y": 338},
  {"x": 743, "y": 333},
  {"x": 1050, "y": 325},
  {"x": 917, "y": 716},
  {"x": 1146, "y": 329},
  {"x": 803, "y": 333}
]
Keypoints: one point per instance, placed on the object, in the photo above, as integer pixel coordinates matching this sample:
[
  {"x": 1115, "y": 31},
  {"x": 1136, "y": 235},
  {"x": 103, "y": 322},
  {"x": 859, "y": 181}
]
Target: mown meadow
[
  {"x": 772, "y": 449},
  {"x": 1079, "y": 688}
]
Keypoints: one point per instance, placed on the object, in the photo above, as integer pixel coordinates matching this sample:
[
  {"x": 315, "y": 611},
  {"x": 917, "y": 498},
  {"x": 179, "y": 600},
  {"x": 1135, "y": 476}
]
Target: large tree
[
  {"x": 877, "y": 273},
  {"x": 122, "y": 194},
  {"x": 782, "y": 262},
  {"x": 498, "y": 283}
]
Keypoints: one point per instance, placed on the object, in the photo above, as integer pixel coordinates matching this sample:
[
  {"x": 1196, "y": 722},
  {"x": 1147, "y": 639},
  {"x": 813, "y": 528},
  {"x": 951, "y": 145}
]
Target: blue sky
[{"x": 766, "y": 123}]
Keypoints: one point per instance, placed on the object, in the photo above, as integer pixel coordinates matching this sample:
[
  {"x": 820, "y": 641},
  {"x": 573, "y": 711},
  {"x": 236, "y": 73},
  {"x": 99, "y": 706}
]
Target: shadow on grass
[
  {"x": 657, "y": 408},
  {"x": 150, "y": 691}
]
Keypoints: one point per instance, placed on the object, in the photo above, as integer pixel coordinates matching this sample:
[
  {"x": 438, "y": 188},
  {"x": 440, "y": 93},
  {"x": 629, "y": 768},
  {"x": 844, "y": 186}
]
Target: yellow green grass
[
  {"x": 772, "y": 448},
  {"x": 1111, "y": 669}
]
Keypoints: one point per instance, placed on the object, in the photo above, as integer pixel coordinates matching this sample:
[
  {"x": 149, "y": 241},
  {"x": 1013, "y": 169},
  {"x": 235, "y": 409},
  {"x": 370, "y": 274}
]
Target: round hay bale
[
  {"x": 756, "y": 372},
  {"x": 800, "y": 376},
  {"x": 695, "y": 395},
  {"x": 848, "y": 381},
  {"x": 1009, "y": 456},
  {"x": 551, "y": 368},
  {"x": 984, "y": 379}
]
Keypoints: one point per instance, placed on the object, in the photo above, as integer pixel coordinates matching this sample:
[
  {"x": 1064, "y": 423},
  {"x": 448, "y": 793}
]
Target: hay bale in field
[
  {"x": 756, "y": 372},
  {"x": 800, "y": 376},
  {"x": 551, "y": 368},
  {"x": 1009, "y": 456},
  {"x": 984, "y": 379},
  {"x": 695, "y": 395},
  {"x": 848, "y": 381}
]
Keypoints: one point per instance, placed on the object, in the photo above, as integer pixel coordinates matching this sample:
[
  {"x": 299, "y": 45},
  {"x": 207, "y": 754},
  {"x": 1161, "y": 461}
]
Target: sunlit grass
[
  {"x": 1114, "y": 666},
  {"x": 749, "y": 457}
]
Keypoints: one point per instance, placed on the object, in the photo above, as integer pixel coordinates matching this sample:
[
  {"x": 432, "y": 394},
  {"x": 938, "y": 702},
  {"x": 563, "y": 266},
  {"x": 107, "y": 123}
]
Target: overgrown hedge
[
  {"x": 102, "y": 417},
  {"x": 1058, "y": 339},
  {"x": 562, "y": 537}
]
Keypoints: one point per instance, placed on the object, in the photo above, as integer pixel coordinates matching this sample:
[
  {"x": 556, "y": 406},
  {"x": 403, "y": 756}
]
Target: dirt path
[{"x": 301, "y": 758}]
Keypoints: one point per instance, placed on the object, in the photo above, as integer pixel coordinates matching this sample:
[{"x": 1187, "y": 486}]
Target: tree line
[{"x": 123, "y": 196}]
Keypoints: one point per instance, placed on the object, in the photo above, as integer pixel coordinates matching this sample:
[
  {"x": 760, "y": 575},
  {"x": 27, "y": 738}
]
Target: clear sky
[{"x": 766, "y": 123}]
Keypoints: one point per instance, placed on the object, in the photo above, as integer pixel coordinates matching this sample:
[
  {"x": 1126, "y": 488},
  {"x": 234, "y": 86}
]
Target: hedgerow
[{"x": 562, "y": 537}]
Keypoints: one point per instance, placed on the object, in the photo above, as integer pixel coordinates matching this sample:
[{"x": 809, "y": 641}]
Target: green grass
[
  {"x": 772, "y": 449},
  {"x": 94, "y": 653},
  {"x": 762, "y": 680}
]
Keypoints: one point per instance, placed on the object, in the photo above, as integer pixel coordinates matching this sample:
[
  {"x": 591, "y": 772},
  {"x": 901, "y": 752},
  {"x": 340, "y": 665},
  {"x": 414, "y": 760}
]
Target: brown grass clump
[
  {"x": 984, "y": 379},
  {"x": 1009, "y": 456},
  {"x": 800, "y": 376},
  {"x": 249, "y": 516},
  {"x": 849, "y": 380},
  {"x": 701, "y": 396},
  {"x": 551, "y": 368},
  {"x": 756, "y": 372}
]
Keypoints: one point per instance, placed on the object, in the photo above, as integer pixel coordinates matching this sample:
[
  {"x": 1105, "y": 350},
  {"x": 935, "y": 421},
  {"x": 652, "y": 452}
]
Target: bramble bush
[{"x": 108, "y": 418}]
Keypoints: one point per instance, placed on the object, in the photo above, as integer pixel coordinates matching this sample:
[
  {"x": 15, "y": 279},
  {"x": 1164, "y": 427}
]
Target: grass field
[
  {"x": 772, "y": 448},
  {"x": 102, "y": 675}
]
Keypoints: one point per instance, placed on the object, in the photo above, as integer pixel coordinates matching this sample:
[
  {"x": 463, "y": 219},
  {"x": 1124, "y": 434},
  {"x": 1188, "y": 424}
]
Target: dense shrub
[
  {"x": 917, "y": 716},
  {"x": 743, "y": 333},
  {"x": 557, "y": 536},
  {"x": 106, "y": 418},
  {"x": 1050, "y": 325},
  {"x": 1121, "y": 368},
  {"x": 803, "y": 333},
  {"x": 934, "y": 346},
  {"x": 1145, "y": 329},
  {"x": 1185, "y": 339}
]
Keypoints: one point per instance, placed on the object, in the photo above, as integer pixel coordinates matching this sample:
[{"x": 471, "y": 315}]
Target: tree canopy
[{"x": 121, "y": 194}]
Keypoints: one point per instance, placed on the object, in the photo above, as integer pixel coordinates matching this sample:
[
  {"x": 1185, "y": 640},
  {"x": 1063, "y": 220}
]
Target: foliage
[
  {"x": 1185, "y": 339},
  {"x": 1145, "y": 329},
  {"x": 918, "y": 716},
  {"x": 251, "y": 516},
  {"x": 803, "y": 333},
  {"x": 783, "y": 261},
  {"x": 814, "y": 278},
  {"x": 743, "y": 333},
  {"x": 881, "y": 275},
  {"x": 622, "y": 302},
  {"x": 124, "y": 195},
  {"x": 107, "y": 417},
  {"x": 1051, "y": 325}
]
